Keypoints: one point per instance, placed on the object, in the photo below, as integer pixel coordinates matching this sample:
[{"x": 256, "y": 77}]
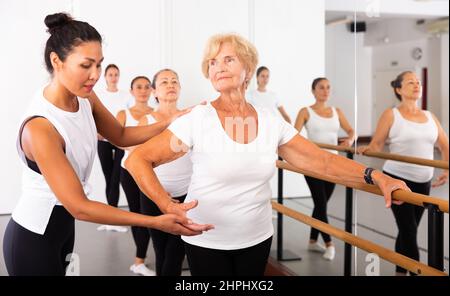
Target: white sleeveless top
[
  {"x": 411, "y": 139},
  {"x": 322, "y": 129},
  {"x": 174, "y": 176},
  {"x": 129, "y": 121},
  {"x": 80, "y": 136}
]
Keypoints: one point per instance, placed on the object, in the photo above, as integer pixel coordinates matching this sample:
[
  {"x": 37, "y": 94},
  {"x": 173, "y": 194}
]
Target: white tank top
[
  {"x": 411, "y": 139},
  {"x": 322, "y": 129},
  {"x": 174, "y": 176},
  {"x": 129, "y": 121},
  {"x": 80, "y": 136}
]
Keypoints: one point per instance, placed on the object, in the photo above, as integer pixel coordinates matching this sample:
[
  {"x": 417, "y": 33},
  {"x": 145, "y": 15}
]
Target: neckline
[
  {"x": 217, "y": 118},
  {"x": 332, "y": 112},
  {"x": 400, "y": 113},
  {"x": 53, "y": 106}
]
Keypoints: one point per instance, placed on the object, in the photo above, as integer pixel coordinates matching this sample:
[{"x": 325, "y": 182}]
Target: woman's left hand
[
  {"x": 441, "y": 179},
  {"x": 388, "y": 185}
]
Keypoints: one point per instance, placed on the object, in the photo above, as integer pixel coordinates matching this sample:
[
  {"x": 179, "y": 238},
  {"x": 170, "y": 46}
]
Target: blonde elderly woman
[{"x": 234, "y": 147}]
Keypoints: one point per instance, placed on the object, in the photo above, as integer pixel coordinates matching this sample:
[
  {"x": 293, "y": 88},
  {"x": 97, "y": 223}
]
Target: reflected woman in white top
[
  {"x": 410, "y": 131},
  {"x": 234, "y": 148},
  {"x": 322, "y": 122}
]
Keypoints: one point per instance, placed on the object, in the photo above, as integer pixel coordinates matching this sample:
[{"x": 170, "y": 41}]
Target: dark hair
[
  {"x": 155, "y": 77},
  {"x": 65, "y": 34},
  {"x": 139, "y": 77},
  {"x": 260, "y": 69},
  {"x": 397, "y": 83},
  {"x": 316, "y": 81},
  {"x": 111, "y": 66}
]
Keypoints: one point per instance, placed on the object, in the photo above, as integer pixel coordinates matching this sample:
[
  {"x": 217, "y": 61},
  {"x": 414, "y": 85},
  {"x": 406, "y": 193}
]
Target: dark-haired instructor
[{"x": 57, "y": 143}]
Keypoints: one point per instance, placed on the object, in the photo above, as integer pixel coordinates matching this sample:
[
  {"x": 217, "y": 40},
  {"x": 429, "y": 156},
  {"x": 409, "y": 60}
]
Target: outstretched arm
[
  {"x": 42, "y": 143},
  {"x": 121, "y": 136},
  {"x": 305, "y": 155}
]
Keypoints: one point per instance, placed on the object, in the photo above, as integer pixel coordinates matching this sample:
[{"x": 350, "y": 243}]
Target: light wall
[
  {"x": 144, "y": 36},
  {"x": 345, "y": 54}
]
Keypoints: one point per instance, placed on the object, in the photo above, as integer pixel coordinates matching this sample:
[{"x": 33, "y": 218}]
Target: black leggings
[
  {"x": 110, "y": 157},
  {"x": 169, "y": 248},
  {"x": 141, "y": 235},
  {"x": 27, "y": 253},
  {"x": 407, "y": 217},
  {"x": 243, "y": 262},
  {"x": 321, "y": 192}
]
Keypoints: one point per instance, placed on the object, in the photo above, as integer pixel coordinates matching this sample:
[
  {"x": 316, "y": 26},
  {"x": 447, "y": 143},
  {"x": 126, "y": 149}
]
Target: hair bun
[
  {"x": 394, "y": 84},
  {"x": 57, "y": 20}
]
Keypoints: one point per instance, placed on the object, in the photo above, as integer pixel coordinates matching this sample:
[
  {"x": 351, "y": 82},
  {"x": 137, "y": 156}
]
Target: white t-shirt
[
  {"x": 266, "y": 99},
  {"x": 231, "y": 180},
  {"x": 115, "y": 101},
  {"x": 174, "y": 176}
]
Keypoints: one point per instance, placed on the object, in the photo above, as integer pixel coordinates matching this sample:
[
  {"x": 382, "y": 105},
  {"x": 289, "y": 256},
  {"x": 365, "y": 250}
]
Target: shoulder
[
  {"x": 303, "y": 112},
  {"x": 200, "y": 110},
  {"x": 339, "y": 112},
  {"x": 387, "y": 117},
  {"x": 122, "y": 113},
  {"x": 388, "y": 113},
  {"x": 39, "y": 129}
]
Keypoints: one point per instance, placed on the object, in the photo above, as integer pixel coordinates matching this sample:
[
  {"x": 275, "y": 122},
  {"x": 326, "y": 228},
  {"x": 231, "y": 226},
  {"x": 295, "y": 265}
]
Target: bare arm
[
  {"x": 121, "y": 136},
  {"x": 442, "y": 144},
  {"x": 284, "y": 114},
  {"x": 381, "y": 133},
  {"x": 345, "y": 125},
  {"x": 302, "y": 118},
  {"x": 305, "y": 155},
  {"x": 141, "y": 163},
  {"x": 42, "y": 143}
]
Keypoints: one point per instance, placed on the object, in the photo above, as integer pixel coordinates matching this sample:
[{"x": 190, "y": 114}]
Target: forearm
[
  {"x": 351, "y": 136},
  {"x": 143, "y": 173},
  {"x": 343, "y": 169},
  {"x": 93, "y": 211},
  {"x": 310, "y": 158},
  {"x": 131, "y": 136},
  {"x": 444, "y": 153}
]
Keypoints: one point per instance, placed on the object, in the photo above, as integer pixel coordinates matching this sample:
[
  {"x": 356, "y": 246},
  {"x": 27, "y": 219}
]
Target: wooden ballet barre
[
  {"x": 409, "y": 197},
  {"x": 391, "y": 256},
  {"x": 441, "y": 164}
]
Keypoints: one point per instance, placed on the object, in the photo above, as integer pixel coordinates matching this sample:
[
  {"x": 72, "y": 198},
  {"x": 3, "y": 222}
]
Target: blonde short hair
[{"x": 245, "y": 51}]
